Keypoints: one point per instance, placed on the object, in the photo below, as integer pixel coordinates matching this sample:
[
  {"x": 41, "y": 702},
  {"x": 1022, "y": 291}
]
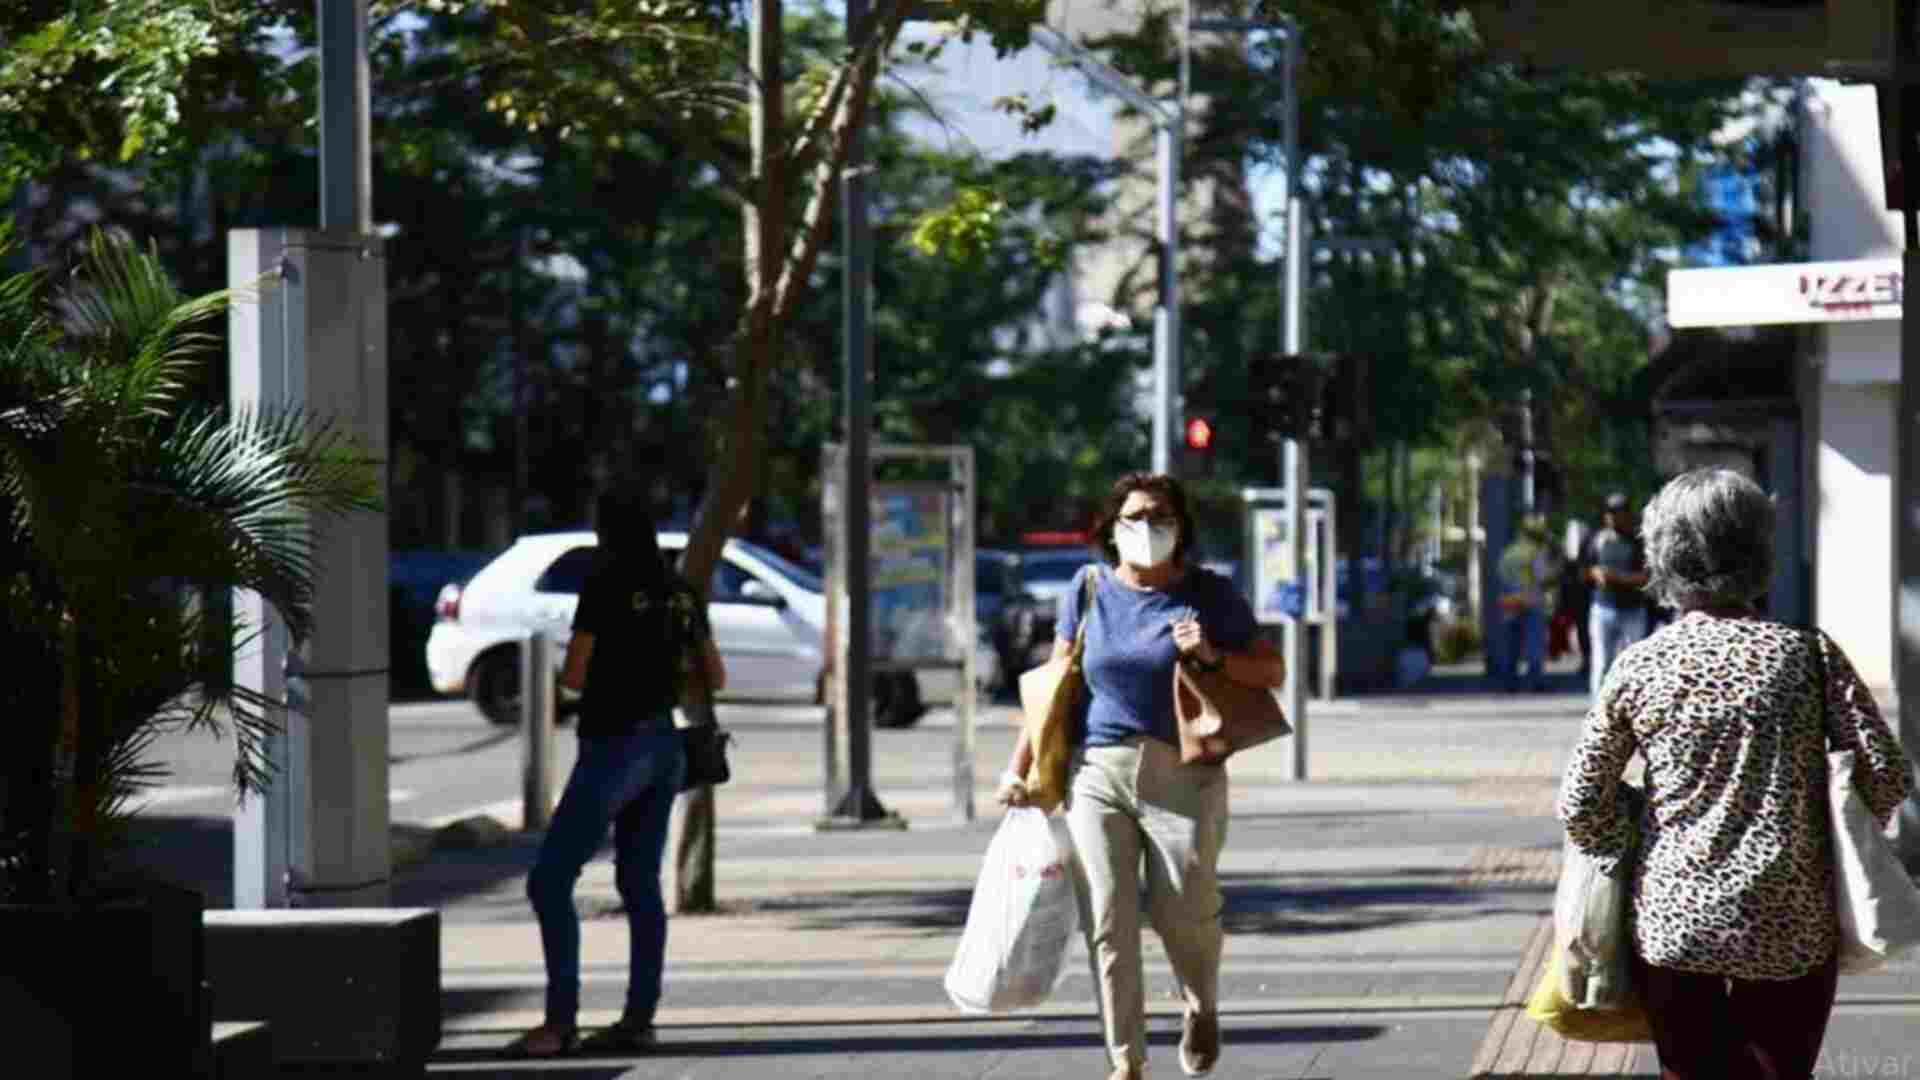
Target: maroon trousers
[{"x": 1710, "y": 1027}]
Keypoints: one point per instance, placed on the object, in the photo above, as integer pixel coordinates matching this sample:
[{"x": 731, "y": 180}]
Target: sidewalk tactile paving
[{"x": 1489, "y": 867}]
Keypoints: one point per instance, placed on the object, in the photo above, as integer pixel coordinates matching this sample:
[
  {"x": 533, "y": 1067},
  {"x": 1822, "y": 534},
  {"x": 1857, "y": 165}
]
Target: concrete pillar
[{"x": 316, "y": 342}]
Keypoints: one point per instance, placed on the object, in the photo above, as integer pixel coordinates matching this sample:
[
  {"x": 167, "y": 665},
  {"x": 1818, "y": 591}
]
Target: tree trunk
[
  {"x": 732, "y": 484},
  {"x": 780, "y": 260}
]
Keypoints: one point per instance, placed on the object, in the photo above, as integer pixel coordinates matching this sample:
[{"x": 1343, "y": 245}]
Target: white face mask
[{"x": 1141, "y": 544}]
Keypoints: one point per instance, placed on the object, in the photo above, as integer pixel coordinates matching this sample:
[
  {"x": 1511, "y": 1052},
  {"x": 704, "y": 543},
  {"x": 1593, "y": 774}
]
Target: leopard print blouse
[{"x": 1735, "y": 874}]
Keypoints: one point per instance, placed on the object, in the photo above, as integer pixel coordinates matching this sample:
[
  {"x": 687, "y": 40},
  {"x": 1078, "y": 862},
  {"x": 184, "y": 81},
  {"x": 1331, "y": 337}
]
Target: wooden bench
[{"x": 1516, "y": 1045}]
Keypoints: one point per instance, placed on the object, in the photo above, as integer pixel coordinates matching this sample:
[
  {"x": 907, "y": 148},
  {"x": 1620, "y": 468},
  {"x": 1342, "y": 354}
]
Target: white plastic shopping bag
[
  {"x": 1590, "y": 921},
  {"x": 1879, "y": 906},
  {"x": 1022, "y": 918}
]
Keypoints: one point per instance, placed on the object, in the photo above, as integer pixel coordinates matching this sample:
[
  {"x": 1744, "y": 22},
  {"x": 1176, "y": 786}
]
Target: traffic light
[
  {"x": 1345, "y": 406},
  {"x": 1285, "y": 395},
  {"x": 1199, "y": 435},
  {"x": 1319, "y": 396}
]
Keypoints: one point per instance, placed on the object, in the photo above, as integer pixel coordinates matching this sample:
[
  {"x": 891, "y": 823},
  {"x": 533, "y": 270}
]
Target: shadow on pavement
[
  {"x": 1264, "y": 903},
  {"x": 928, "y": 1038},
  {"x": 452, "y": 877}
]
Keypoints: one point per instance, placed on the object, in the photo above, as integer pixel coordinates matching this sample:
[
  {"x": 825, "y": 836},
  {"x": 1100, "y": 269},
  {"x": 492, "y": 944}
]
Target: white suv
[{"x": 767, "y": 615}]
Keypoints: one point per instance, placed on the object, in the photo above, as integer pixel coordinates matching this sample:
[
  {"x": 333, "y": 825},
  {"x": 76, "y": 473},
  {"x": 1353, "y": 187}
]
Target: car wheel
[
  {"x": 494, "y": 686},
  {"x": 896, "y": 699}
]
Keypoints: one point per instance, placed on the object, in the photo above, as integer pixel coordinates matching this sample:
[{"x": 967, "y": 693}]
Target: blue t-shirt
[{"x": 1130, "y": 654}]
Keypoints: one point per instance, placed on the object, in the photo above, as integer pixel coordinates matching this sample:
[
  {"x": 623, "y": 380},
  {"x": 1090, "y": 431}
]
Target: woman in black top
[{"x": 637, "y": 634}]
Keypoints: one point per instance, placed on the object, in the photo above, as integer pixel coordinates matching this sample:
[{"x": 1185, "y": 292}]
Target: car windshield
[{"x": 784, "y": 566}]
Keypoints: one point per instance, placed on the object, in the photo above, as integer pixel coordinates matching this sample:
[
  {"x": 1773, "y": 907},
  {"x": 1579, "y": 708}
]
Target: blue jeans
[
  {"x": 627, "y": 781},
  {"x": 1527, "y": 637},
  {"x": 1612, "y": 629}
]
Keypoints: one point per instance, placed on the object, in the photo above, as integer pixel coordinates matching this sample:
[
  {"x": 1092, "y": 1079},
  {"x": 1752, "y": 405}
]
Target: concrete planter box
[
  {"x": 354, "y": 988},
  {"x": 76, "y": 982}
]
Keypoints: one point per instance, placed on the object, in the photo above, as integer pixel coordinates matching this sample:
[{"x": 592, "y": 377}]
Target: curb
[{"x": 411, "y": 845}]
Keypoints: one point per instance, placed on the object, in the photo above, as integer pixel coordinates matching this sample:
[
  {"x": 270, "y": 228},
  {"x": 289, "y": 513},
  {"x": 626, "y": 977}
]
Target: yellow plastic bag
[{"x": 1549, "y": 1005}]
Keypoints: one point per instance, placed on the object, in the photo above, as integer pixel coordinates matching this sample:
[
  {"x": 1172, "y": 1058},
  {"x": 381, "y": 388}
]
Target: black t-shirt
[{"x": 644, "y": 634}]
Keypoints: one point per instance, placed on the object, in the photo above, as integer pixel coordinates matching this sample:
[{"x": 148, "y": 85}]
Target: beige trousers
[{"x": 1132, "y": 804}]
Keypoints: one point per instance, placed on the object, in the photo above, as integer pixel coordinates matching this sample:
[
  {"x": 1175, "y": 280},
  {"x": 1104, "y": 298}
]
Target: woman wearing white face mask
[{"x": 1129, "y": 795}]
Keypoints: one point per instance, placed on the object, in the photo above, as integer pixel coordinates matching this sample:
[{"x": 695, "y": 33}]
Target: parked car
[
  {"x": 416, "y": 580},
  {"x": 1005, "y": 611},
  {"x": 768, "y": 615},
  {"x": 1046, "y": 573}
]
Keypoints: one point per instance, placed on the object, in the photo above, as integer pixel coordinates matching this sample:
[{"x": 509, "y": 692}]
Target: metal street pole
[
  {"x": 1166, "y": 324},
  {"x": 1168, "y": 122},
  {"x": 346, "y": 140},
  {"x": 1294, "y": 477},
  {"x": 858, "y": 804},
  {"x": 1906, "y": 487},
  {"x": 1528, "y": 500},
  {"x": 1294, "y": 468}
]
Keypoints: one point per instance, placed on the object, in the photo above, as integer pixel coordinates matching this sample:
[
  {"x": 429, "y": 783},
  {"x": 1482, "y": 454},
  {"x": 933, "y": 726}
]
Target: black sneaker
[{"x": 623, "y": 1037}]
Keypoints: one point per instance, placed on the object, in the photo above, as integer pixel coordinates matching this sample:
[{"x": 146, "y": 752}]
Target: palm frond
[
  {"x": 245, "y": 493},
  {"x": 143, "y": 335}
]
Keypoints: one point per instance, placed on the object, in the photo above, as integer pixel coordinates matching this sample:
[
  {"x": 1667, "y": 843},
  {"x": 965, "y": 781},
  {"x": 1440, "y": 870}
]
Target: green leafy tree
[{"x": 1529, "y": 215}]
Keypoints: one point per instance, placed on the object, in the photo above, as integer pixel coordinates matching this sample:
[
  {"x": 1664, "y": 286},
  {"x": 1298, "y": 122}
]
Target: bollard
[{"x": 536, "y": 720}]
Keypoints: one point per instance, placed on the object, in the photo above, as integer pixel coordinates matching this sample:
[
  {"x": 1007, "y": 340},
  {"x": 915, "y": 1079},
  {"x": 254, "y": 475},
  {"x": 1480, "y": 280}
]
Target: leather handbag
[
  {"x": 1217, "y": 717},
  {"x": 1048, "y": 695},
  {"x": 705, "y": 745}
]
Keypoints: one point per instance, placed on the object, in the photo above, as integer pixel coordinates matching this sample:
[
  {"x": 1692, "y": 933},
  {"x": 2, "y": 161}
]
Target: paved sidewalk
[{"x": 1375, "y": 913}]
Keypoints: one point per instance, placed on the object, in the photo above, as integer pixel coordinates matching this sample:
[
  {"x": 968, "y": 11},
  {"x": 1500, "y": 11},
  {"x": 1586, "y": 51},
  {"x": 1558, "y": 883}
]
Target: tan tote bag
[{"x": 1048, "y": 695}]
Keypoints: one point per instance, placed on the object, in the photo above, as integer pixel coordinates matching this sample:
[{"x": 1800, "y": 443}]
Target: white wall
[
  {"x": 1859, "y": 365},
  {"x": 1854, "y": 554},
  {"x": 1844, "y": 189}
]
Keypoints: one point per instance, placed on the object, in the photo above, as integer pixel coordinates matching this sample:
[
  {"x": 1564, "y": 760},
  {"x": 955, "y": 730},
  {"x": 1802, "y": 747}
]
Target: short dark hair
[{"x": 1160, "y": 485}]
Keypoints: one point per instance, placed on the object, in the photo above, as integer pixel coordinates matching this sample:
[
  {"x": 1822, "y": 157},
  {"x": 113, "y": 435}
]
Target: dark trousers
[
  {"x": 627, "y": 781},
  {"x": 1709, "y": 1027}
]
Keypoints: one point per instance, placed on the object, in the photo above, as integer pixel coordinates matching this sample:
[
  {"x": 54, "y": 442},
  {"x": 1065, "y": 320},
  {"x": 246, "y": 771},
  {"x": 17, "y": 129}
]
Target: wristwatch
[{"x": 1201, "y": 667}]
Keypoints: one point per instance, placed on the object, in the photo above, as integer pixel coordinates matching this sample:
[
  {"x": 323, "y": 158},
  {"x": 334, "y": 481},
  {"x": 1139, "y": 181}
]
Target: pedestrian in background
[
  {"x": 1734, "y": 928},
  {"x": 1576, "y": 592},
  {"x": 1616, "y": 566},
  {"x": 1529, "y": 573},
  {"x": 1128, "y": 794},
  {"x": 639, "y": 634}
]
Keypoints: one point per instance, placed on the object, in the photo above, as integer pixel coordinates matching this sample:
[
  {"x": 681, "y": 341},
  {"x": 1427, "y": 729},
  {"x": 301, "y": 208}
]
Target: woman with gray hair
[{"x": 1734, "y": 925}]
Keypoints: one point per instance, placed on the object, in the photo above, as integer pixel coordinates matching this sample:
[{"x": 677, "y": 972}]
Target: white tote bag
[
  {"x": 1878, "y": 903},
  {"x": 1591, "y": 920},
  {"x": 1021, "y": 920}
]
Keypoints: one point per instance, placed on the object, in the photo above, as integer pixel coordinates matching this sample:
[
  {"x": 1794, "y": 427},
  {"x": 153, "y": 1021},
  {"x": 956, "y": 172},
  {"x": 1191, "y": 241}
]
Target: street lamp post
[{"x": 858, "y": 804}]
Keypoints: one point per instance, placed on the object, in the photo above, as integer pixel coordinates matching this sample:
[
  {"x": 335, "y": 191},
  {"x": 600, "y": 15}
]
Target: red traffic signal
[{"x": 1199, "y": 434}]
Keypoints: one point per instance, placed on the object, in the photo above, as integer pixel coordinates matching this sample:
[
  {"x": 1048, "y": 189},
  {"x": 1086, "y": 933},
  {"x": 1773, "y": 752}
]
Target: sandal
[
  {"x": 622, "y": 1037},
  {"x": 566, "y": 1041}
]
